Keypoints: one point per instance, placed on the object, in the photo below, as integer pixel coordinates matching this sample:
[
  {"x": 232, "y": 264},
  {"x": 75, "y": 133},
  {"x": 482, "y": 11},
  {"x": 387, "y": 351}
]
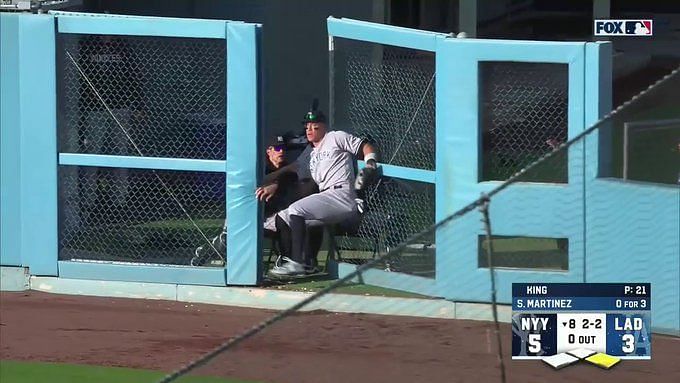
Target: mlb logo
[
  {"x": 639, "y": 28},
  {"x": 623, "y": 28}
]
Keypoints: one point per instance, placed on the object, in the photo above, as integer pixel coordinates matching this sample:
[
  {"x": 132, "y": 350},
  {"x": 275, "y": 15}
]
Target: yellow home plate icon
[{"x": 603, "y": 360}]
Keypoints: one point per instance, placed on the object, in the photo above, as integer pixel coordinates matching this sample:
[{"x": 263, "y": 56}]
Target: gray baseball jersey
[
  {"x": 332, "y": 162},
  {"x": 303, "y": 163}
]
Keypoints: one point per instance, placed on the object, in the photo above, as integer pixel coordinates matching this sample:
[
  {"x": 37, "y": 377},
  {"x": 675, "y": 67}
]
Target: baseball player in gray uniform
[{"x": 331, "y": 164}]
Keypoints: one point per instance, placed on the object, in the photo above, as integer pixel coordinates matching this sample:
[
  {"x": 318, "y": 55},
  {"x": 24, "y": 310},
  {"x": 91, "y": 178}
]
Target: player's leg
[
  {"x": 312, "y": 247},
  {"x": 270, "y": 223},
  {"x": 285, "y": 241},
  {"x": 328, "y": 207}
]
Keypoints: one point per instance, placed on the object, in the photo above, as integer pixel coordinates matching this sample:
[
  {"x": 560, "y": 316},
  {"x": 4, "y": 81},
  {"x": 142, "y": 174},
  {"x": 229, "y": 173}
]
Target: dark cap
[
  {"x": 276, "y": 140},
  {"x": 314, "y": 116}
]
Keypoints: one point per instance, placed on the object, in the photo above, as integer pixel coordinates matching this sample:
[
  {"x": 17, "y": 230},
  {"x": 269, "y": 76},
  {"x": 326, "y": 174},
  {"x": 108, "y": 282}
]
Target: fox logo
[{"x": 623, "y": 28}]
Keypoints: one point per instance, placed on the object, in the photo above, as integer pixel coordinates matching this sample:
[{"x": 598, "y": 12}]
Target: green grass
[
  {"x": 525, "y": 253},
  {"x": 37, "y": 372},
  {"x": 653, "y": 156},
  {"x": 511, "y": 244}
]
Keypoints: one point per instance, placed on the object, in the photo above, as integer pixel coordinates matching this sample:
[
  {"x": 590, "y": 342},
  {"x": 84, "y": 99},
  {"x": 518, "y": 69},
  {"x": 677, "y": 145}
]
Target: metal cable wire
[
  {"x": 478, "y": 203},
  {"x": 413, "y": 119},
  {"x": 492, "y": 275}
]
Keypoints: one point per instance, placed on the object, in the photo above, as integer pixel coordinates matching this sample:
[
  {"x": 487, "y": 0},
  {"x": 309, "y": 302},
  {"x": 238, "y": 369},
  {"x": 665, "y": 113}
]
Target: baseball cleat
[
  {"x": 206, "y": 255},
  {"x": 312, "y": 267},
  {"x": 289, "y": 268}
]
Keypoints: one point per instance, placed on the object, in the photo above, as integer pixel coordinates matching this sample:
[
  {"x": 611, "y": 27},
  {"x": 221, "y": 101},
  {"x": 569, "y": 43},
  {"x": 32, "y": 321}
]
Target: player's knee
[
  {"x": 296, "y": 220},
  {"x": 302, "y": 207},
  {"x": 281, "y": 224},
  {"x": 293, "y": 210}
]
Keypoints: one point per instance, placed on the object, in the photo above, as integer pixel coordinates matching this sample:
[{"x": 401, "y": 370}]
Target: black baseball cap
[{"x": 277, "y": 142}]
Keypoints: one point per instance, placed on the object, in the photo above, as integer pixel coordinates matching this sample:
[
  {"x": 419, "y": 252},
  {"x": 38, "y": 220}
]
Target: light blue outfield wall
[
  {"x": 141, "y": 26},
  {"x": 30, "y": 158},
  {"x": 617, "y": 231},
  {"x": 243, "y": 161},
  {"x": 10, "y": 195},
  {"x": 632, "y": 228},
  {"x": 92, "y": 24},
  {"x": 634, "y": 236},
  {"x": 244, "y": 244},
  {"x": 38, "y": 159},
  {"x": 131, "y": 162},
  {"x": 28, "y": 131},
  {"x": 383, "y": 34},
  {"x": 525, "y": 209}
]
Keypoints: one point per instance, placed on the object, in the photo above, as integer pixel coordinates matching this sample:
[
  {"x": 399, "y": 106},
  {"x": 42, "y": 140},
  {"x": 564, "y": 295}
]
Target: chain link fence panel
[
  {"x": 397, "y": 209},
  {"x": 523, "y": 115},
  {"x": 387, "y": 94},
  {"x": 167, "y": 94},
  {"x": 128, "y": 215}
]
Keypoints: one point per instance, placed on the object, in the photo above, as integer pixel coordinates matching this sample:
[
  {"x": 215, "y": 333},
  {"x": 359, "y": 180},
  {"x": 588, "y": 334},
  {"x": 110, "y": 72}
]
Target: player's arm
[
  {"x": 369, "y": 154},
  {"x": 289, "y": 172},
  {"x": 370, "y": 173},
  {"x": 271, "y": 181},
  {"x": 359, "y": 147},
  {"x": 284, "y": 171}
]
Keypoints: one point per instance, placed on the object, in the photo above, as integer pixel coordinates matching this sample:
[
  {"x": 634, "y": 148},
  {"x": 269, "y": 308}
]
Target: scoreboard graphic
[{"x": 568, "y": 322}]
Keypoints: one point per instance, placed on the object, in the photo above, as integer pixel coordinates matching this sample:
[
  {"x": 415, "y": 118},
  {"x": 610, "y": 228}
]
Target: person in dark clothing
[
  {"x": 283, "y": 191},
  {"x": 287, "y": 189}
]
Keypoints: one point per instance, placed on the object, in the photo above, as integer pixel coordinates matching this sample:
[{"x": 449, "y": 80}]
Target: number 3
[{"x": 628, "y": 343}]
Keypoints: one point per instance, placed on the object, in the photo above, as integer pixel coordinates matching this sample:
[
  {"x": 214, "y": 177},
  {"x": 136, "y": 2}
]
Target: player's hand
[
  {"x": 265, "y": 193},
  {"x": 367, "y": 176}
]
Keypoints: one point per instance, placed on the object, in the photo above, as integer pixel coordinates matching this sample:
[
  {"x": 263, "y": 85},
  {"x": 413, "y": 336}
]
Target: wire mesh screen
[
  {"x": 128, "y": 215},
  {"x": 168, "y": 96},
  {"x": 523, "y": 114},
  {"x": 387, "y": 94},
  {"x": 397, "y": 209}
]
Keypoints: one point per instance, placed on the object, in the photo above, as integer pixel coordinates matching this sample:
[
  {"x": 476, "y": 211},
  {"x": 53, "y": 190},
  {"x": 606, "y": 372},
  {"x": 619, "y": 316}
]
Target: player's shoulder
[{"x": 337, "y": 134}]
